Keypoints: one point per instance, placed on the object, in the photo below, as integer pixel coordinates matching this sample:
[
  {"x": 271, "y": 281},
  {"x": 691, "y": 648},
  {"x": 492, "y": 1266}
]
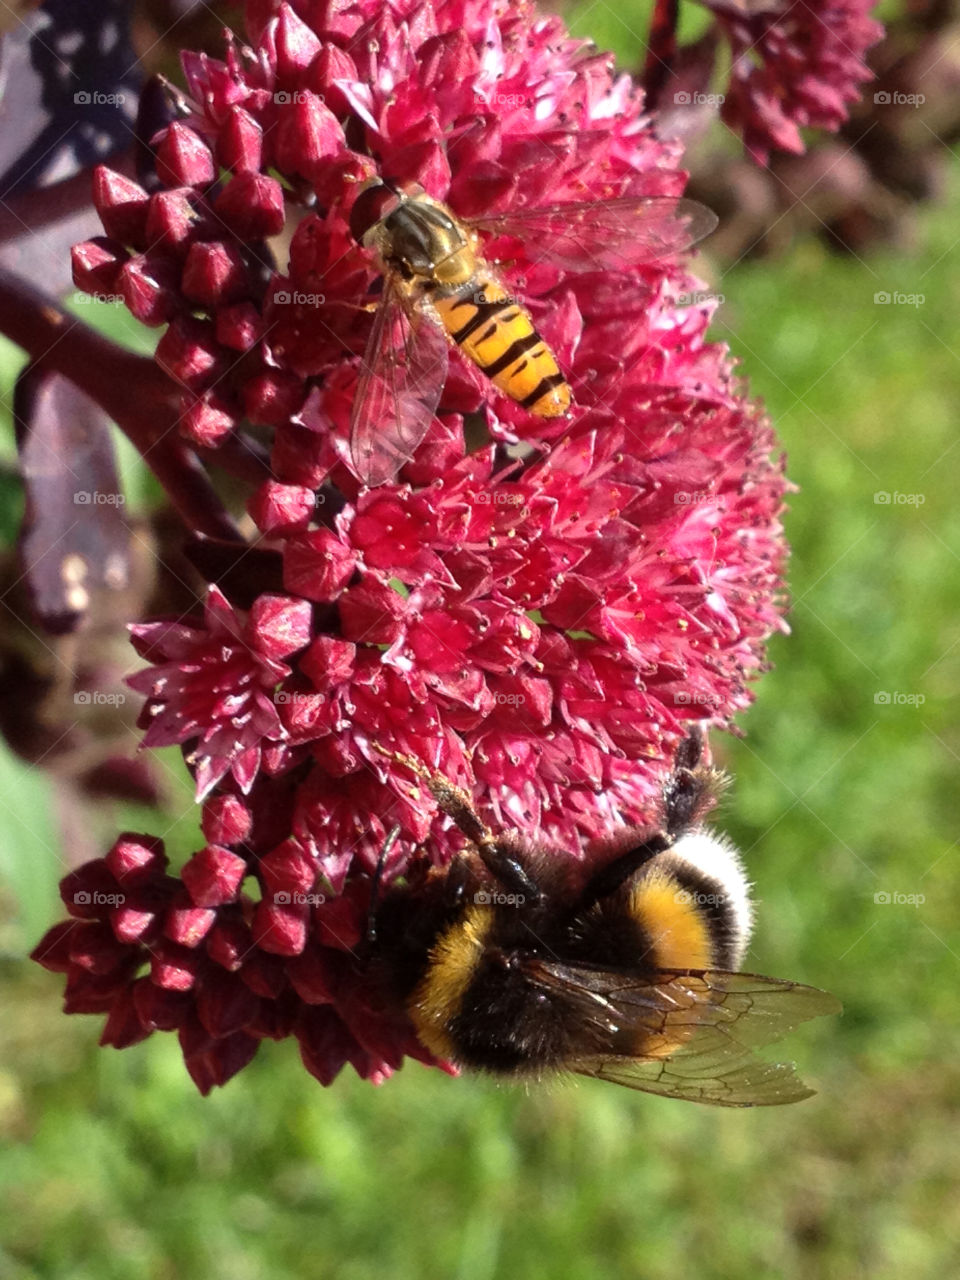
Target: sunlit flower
[{"x": 540, "y": 617}]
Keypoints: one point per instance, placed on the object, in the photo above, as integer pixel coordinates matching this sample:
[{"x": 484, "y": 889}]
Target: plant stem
[
  {"x": 661, "y": 50},
  {"x": 141, "y": 399}
]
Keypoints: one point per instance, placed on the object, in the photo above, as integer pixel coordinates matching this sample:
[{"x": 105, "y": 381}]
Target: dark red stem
[
  {"x": 241, "y": 457},
  {"x": 28, "y": 212},
  {"x": 661, "y": 50},
  {"x": 141, "y": 399}
]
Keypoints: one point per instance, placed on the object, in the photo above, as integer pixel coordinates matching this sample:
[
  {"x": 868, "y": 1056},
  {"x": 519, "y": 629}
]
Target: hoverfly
[
  {"x": 439, "y": 290},
  {"x": 510, "y": 962}
]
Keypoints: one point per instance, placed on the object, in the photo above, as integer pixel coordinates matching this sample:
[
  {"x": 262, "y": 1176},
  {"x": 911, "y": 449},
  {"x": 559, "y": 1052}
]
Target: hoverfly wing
[
  {"x": 401, "y": 379},
  {"x": 691, "y": 1035},
  {"x": 593, "y": 235}
]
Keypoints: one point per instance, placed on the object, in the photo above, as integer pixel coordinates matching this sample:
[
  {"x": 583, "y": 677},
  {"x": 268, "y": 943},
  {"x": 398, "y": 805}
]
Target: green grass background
[{"x": 112, "y": 1167}]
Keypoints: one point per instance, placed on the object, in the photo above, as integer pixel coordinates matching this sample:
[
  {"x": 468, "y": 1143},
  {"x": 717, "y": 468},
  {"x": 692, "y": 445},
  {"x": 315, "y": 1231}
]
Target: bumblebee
[
  {"x": 518, "y": 962},
  {"x": 439, "y": 290}
]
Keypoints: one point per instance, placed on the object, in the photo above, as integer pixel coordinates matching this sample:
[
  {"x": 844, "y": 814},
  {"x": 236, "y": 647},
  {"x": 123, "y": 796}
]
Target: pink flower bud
[{"x": 213, "y": 876}]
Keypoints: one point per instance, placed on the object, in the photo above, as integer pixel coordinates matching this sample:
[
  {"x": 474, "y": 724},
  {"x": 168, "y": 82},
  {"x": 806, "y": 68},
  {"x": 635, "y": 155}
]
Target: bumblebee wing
[
  {"x": 752, "y": 1084},
  {"x": 591, "y": 235},
  {"x": 401, "y": 379},
  {"x": 692, "y": 1035}
]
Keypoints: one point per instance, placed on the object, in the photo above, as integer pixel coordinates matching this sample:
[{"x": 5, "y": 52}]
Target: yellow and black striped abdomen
[{"x": 497, "y": 334}]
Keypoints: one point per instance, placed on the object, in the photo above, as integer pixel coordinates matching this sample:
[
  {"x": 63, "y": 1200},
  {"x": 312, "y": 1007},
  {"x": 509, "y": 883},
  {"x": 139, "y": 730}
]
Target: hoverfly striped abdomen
[{"x": 497, "y": 334}]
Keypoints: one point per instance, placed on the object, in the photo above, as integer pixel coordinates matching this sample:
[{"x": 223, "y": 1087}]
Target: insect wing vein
[
  {"x": 596, "y": 235},
  {"x": 754, "y": 1083},
  {"x": 699, "y": 1030}
]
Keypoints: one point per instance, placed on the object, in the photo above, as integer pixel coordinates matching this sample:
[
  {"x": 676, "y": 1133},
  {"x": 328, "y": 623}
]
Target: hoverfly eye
[{"x": 370, "y": 207}]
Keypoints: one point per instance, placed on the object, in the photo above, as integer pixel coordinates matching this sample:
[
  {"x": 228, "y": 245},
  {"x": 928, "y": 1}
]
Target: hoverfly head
[{"x": 375, "y": 200}]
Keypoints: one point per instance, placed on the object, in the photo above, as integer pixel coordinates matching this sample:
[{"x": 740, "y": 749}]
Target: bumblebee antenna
[{"x": 388, "y": 844}]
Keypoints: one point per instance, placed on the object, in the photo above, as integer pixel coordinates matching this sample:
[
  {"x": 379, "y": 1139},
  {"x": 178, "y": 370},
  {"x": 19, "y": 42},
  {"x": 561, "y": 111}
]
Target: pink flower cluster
[
  {"x": 540, "y": 624},
  {"x": 796, "y": 64}
]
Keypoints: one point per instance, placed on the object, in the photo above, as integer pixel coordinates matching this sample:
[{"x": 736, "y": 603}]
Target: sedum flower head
[
  {"x": 795, "y": 65},
  {"x": 540, "y": 617}
]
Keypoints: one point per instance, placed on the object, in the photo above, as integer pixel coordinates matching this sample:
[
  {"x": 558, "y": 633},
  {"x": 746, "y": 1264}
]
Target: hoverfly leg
[{"x": 368, "y": 307}]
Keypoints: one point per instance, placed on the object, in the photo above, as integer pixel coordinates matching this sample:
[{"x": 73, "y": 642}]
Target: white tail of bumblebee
[{"x": 714, "y": 862}]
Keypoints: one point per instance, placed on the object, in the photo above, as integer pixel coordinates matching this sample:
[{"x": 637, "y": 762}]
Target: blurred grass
[{"x": 113, "y": 1167}]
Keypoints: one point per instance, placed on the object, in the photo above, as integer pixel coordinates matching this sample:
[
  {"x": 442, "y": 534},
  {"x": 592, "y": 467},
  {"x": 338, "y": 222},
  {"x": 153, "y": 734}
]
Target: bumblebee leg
[
  {"x": 388, "y": 844},
  {"x": 453, "y": 800},
  {"x": 693, "y": 788},
  {"x": 690, "y": 751},
  {"x": 609, "y": 878},
  {"x": 690, "y": 792},
  {"x": 499, "y": 860},
  {"x": 455, "y": 884}
]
